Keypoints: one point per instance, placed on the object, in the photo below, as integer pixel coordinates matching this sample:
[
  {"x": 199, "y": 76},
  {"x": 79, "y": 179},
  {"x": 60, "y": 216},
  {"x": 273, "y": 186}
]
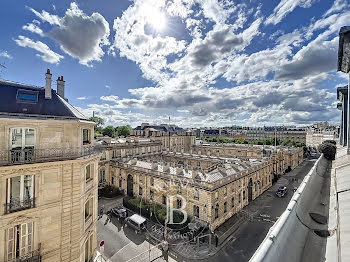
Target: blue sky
[{"x": 204, "y": 63}]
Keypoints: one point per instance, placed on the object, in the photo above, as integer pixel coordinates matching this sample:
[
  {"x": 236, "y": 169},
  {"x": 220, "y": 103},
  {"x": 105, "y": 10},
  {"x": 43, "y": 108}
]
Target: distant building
[
  {"x": 173, "y": 138},
  {"x": 295, "y": 134},
  {"x": 319, "y": 132},
  {"x": 48, "y": 176}
]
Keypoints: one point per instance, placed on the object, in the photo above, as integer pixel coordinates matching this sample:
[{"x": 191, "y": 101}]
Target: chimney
[
  {"x": 60, "y": 86},
  {"x": 48, "y": 92}
]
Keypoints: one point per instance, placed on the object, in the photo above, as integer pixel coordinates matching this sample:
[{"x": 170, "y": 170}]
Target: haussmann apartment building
[{"x": 48, "y": 176}]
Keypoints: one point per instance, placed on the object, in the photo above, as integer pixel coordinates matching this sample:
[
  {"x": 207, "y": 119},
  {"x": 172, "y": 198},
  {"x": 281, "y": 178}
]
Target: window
[
  {"x": 225, "y": 207},
  {"x": 151, "y": 195},
  {"x": 20, "y": 193},
  {"x": 152, "y": 181},
  {"x": 19, "y": 241},
  {"x": 88, "y": 172},
  {"x": 164, "y": 200},
  {"x": 149, "y": 149},
  {"x": 140, "y": 191},
  {"x": 22, "y": 144},
  {"x": 179, "y": 203},
  {"x": 216, "y": 211},
  {"x": 225, "y": 191},
  {"x": 233, "y": 202},
  {"x": 102, "y": 177},
  {"x": 239, "y": 198},
  {"x": 137, "y": 151},
  {"x": 243, "y": 195},
  {"x": 86, "y": 139},
  {"x": 88, "y": 249},
  {"x": 88, "y": 209},
  {"x": 140, "y": 179},
  {"x": 165, "y": 186},
  {"x": 27, "y": 96},
  {"x": 179, "y": 190},
  {"x": 216, "y": 196},
  {"x": 198, "y": 163},
  {"x": 196, "y": 195},
  {"x": 143, "y": 150},
  {"x": 196, "y": 211},
  {"x": 120, "y": 183},
  {"x": 103, "y": 156},
  {"x": 112, "y": 180}
]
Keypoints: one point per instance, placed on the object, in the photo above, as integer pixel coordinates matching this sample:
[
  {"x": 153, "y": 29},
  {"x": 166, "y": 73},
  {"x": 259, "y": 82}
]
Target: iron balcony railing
[
  {"x": 33, "y": 155},
  {"x": 16, "y": 204},
  {"x": 32, "y": 256}
]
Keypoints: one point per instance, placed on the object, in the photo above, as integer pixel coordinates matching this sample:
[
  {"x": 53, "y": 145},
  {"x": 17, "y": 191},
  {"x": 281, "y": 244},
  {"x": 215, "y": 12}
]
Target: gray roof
[{"x": 57, "y": 107}]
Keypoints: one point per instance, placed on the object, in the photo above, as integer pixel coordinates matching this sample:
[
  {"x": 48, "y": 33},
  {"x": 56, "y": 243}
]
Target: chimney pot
[
  {"x": 48, "y": 71},
  {"x": 60, "y": 87}
]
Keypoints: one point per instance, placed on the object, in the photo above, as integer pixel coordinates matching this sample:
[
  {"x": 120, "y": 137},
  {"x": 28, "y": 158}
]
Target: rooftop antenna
[{"x": 2, "y": 65}]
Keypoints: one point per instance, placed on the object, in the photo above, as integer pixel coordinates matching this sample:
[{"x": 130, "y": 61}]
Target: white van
[{"x": 136, "y": 222}]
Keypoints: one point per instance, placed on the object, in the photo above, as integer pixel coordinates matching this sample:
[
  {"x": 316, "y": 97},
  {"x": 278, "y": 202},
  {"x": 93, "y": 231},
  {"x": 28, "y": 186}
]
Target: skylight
[{"x": 27, "y": 96}]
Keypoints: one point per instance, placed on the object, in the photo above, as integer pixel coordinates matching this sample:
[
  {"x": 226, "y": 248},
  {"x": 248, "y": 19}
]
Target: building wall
[
  {"x": 261, "y": 180},
  {"x": 60, "y": 192},
  {"x": 49, "y": 133}
]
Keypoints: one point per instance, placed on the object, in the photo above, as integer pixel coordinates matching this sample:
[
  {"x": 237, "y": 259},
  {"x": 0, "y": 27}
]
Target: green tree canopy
[
  {"x": 123, "y": 130},
  {"x": 98, "y": 120},
  {"x": 108, "y": 131}
]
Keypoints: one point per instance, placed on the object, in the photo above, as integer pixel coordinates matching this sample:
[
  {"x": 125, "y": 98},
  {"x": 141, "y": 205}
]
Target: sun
[
  {"x": 155, "y": 17},
  {"x": 157, "y": 20}
]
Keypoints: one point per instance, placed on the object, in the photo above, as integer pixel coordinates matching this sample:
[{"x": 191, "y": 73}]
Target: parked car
[
  {"x": 136, "y": 222},
  {"x": 281, "y": 191},
  {"x": 119, "y": 212}
]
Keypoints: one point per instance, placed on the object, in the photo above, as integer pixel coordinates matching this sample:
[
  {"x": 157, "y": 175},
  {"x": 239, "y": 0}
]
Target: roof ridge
[{"x": 14, "y": 83}]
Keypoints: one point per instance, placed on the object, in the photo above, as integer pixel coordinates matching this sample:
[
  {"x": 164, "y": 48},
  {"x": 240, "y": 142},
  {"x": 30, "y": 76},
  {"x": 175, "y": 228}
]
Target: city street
[
  {"x": 122, "y": 243},
  {"x": 263, "y": 211}
]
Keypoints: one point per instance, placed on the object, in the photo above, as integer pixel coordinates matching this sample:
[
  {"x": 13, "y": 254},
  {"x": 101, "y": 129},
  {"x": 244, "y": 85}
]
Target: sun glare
[{"x": 156, "y": 18}]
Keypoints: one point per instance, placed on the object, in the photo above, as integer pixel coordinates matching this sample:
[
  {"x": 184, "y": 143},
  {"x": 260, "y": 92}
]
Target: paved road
[
  {"x": 265, "y": 210},
  {"x": 122, "y": 243}
]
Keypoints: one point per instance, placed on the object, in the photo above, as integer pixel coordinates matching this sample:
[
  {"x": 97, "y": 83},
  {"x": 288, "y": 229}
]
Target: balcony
[
  {"x": 17, "y": 205},
  {"x": 31, "y": 155},
  {"x": 32, "y": 256}
]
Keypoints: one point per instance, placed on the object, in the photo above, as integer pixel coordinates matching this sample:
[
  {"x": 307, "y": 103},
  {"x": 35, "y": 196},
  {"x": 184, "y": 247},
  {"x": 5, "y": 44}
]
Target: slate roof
[
  {"x": 55, "y": 107},
  {"x": 170, "y": 129}
]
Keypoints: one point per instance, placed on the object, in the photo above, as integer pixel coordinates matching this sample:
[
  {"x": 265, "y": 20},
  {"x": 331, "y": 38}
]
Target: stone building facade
[
  {"x": 173, "y": 138},
  {"x": 48, "y": 176},
  {"x": 116, "y": 149},
  {"x": 215, "y": 181},
  {"x": 211, "y": 196}
]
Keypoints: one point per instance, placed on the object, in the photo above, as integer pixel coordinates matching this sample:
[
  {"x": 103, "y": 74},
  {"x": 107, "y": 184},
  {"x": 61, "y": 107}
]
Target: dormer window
[{"x": 27, "y": 96}]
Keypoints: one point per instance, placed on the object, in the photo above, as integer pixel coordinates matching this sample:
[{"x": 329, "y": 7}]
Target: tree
[
  {"x": 123, "y": 130},
  {"x": 99, "y": 123},
  {"x": 108, "y": 131}
]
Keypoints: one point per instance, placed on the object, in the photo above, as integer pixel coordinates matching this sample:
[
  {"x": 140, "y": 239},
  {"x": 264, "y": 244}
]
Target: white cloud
[
  {"x": 110, "y": 98},
  {"x": 79, "y": 35},
  {"x": 32, "y": 27},
  {"x": 107, "y": 86},
  {"x": 46, "y": 53},
  {"x": 211, "y": 79},
  {"x": 285, "y": 7},
  {"x": 5, "y": 54},
  {"x": 46, "y": 17},
  {"x": 82, "y": 98}
]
